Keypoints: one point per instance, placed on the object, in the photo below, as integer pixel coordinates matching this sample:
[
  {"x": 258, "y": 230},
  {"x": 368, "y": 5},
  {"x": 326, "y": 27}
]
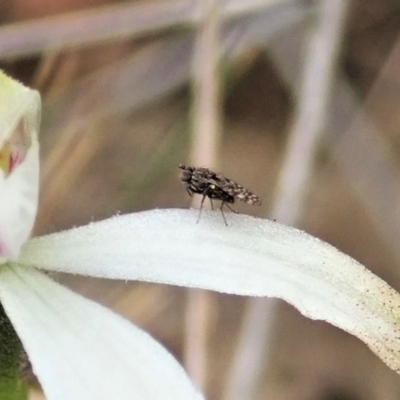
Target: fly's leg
[
  {"x": 189, "y": 200},
  {"x": 222, "y": 212},
  {"x": 212, "y": 205},
  {"x": 201, "y": 205},
  {"x": 231, "y": 209}
]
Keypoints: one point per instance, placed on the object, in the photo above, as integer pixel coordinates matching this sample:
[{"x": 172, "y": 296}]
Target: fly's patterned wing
[
  {"x": 214, "y": 186},
  {"x": 238, "y": 192}
]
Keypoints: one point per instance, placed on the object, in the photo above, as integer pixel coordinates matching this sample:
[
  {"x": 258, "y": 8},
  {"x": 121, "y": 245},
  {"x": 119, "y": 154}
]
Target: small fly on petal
[{"x": 215, "y": 186}]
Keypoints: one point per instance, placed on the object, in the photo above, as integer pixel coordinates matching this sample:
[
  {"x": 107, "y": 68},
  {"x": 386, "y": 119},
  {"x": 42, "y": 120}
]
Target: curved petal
[
  {"x": 19, "y": 164},
  {"x": 80, "y": 350},
  {"x": 249, "y": 257},
  {"x": 16, "y": 101},
  {"x": 19, "y": 194}
]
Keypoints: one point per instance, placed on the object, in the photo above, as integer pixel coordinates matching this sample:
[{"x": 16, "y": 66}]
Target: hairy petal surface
[
  {"x": 251, "y": 256},
  {"x": 80, "y": 350},
  {"x": 19, "y": 164}
]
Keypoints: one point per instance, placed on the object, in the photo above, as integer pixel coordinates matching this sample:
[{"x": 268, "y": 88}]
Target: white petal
[
  {"x": 17, "y": 101},
  {"x": 19, "y": 189},
  {"x": 18, "y": 203},
  {"x": 249, "y": 257},
  {"x": 82, "y": 351}
]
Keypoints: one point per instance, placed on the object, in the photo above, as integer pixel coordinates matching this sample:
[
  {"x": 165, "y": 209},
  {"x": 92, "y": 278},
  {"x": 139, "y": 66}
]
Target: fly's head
[{"x": 186, "y": 173}]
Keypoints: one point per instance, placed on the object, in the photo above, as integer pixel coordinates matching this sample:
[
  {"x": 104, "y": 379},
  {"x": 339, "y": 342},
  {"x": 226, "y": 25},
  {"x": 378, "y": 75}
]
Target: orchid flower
[{"x": 80, "y": 350}]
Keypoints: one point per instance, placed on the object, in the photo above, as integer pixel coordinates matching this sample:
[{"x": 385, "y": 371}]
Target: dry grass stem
[
  {"x": 293, "y": 184},
  {"x": 109, "y": 23},
  {"x": 362, "y": 151},
  {"x": 206, "y": 111},
  {"x": 366, "y": 155}
]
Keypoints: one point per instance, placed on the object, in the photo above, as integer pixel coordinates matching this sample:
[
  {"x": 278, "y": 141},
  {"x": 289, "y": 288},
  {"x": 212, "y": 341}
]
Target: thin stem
[{"x": 206, "y": 138}]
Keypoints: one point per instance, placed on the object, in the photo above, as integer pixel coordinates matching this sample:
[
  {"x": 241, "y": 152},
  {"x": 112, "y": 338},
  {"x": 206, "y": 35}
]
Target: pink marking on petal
[
  {"x": 14, "y": 150},
  {"x": 16, "y": 158},
  {"x": 11, "y": 155}
]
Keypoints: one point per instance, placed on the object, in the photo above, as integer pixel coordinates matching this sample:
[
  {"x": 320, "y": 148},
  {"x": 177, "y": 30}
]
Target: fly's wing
[{"x": 237, "y": 191}]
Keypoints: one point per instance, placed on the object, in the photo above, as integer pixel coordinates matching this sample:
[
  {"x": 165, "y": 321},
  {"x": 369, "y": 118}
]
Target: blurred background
[{"x": 297, "y": 100}]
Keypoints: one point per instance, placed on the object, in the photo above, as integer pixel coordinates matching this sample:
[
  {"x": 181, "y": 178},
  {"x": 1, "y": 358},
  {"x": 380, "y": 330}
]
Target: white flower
[{"x": 80, "y": 350}]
